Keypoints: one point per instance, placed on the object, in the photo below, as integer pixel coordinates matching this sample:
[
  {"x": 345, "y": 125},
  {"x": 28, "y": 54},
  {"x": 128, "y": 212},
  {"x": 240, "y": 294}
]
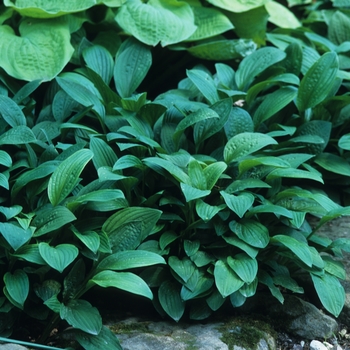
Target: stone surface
[
  {"x": 12, "y": 347},
  {"x": 317, "y": 345}
]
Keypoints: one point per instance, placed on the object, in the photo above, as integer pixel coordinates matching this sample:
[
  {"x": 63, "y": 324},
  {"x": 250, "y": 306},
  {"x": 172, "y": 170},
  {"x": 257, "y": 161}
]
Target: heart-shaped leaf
[
  {"x": 251, "y": 232},
  {"x": 15, "y": 236},
  {"x": 17, "y": 286},
  {"x": 40, "y": 52},
  {"x": 244, "y": 266},
  {"x": 170, "y": 300},
  {"x": 184, "y": 268},
  {"x": 192, "y": 193},
  {"x": 206, "y": 211},
  {"x": 164, "y": 21},
  {"x": 238, "y": 204},
  {"x": 58, "y": 257},
  {"x": 82, "y": 315}
]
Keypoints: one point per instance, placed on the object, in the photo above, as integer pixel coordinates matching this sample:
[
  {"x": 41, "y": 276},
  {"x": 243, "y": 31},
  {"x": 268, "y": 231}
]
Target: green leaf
[
  {"x": 18, "y": 135},
  {"x": 128, "y": 227},
  {"x": 10, "y": 212},
  {"x": 133, "y": 61},
  {"x": 244, "y": 144},
  {"x": 183, "y": 268},
  {"x": 344, "y": 142},
  {"x": 333, "y": 163},
  {"x": 339, "y": 27},
  {"x": 82, "y": 315},
  {"x": 122, "y": 280},
  {"x": 89, "y": 238},
  {"x": 100, "y": 61},
  {"x": 239, "y": 121},
  {"x": 47, "y": 289},
  {"x": 244, "y": 266},
  {"x": 5, "y": 159},
  {"x": 164, "y": 21},
  {"x": 238, "y": 204},
  {"x": 237, "y": 299},
  {"x": 66, "y": 176},
  {"x": 15, "y": 236},
  {"x": 54, "y": 8},
  {"x": 249, "y": 289},
  {"x": 241, "y": 185},
  {"x": 274, "y": 162},
  {"x": 226, "y": 280},
  {"x": 206, "y": 211},
  {"x": 205, "y": 84},
  {"x": 17, "y": 286},
  {"x": 198, "y": 285},
  {"x": 232, "y": 239},
  {"x": 318, "y": 81},
  {"x": 333, "y": 267},
  {"x": 209, "y": 22},
  {"x": 281, "y": 16},
  {"x": 251, "y": 232},
  {"x": 103, "y": 153},
  {"x": 273, "y": 103},
  {"x": 170, "y": 300},
  {"x": 30, "y": 252},
  {"x": 50, "y": 219},
  {"x": 238, "y": 5},
  {"x": 293, "y": 173},
  {"x": 212, "y": 173},
  {"x": 330, "y": 292},
  {"x": 10, "y": 111},
  {"x": 129, "y": 259},
  {"x": 58, "y": 257},
  {"x": 256, "y": 63},
  {"x": 41, "y": 50},
  {"x": 192, "y": 193},
  {"x": 195, "y": 172},
  {"x": 300, "y": 249},
  {"x": 106, "y": 338}
]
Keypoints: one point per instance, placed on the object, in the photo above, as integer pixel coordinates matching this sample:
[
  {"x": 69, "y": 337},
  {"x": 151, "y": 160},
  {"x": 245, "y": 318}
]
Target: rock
[
  {"x": 141, "y": 334},
  {"x": 12, "y": 347},
  {"x": 317, "y": 345},
  {"x": 295, "y": 316}
]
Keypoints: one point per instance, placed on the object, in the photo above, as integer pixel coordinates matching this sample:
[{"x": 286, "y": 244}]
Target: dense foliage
[{"x": 172, "y": 149}]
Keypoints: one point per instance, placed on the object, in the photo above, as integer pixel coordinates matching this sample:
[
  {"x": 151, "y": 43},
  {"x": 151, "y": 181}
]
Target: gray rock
[
  {"x": 148, "y": 335},
  {"x": 12, "y": 347},
  {"x": 317, "y": 345},
  {"x": 295, "y": 316}
]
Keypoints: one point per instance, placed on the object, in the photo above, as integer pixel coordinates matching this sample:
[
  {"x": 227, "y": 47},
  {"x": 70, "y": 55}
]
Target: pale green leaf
[
  {"x": 41, "y": 50},
  {"x": 164, "y": 21},
  {"x": 281, "y": 16},
  {"x": 344, "y": 142},
  {"x": 238, "y": 5},
  {"x": 293, "y": 173},
  {"x": 192, "y": 193},
  {"x": 66, "y": 176},
  {"x": 244, "y": 144},
  {"x": 58, "y": 257},
  {"x": 15, "y": 236}
]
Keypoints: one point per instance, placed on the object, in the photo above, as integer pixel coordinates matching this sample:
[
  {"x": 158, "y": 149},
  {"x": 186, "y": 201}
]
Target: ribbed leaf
[
  {"x": 251, "y": 232},
  {"x": 213, "y": 172},
  {"x": 238, "y": 5},
  {"x": 58, "y": 257},
  {"x": 192, "y": 193},
  {"x": 164, "y": 21},
  {"x": 15, "y": 236},
  {"x": 82, "y": 315},
  {"x": 226, "y": 280},
  {"x": 244, "y": 266},
  {"x": 318, "y": 81},
  {"x": 184, "y": 268},
  {"x": 281, "y": 16},
  {"x": 244, "y": 144},
  {"x": 17, "y": 286},
  {"x": 103, "y": 153},
  {"x": 18, "y": 135},
  {"x": 170, "y": 300},
  {"x": 238, "y": 204},
  {"x": 206, "y": 211},
  {"x": 294, "y": 173},
  {"x": 333, "y": 163},
  {"x": 66, "y": 176},
  {"x": 11, "y": 112}
]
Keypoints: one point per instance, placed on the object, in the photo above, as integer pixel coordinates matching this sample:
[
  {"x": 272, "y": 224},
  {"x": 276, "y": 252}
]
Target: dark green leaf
[
  {"x": 251, "y": 232},
  {"x": 17, "y": 286},
  {"x": 18, "y": 135},
  {"x": 16, "y": 236},
  {"x": 11, "y": 112}
]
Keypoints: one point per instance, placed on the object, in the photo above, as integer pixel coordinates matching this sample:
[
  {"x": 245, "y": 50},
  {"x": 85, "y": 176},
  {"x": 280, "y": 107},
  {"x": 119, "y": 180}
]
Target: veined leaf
[
  {"x": 281, "y": 16},
  {"x": 251, "y": 232},
  {"x": 82, "y": 315},
  {"x": 338, "y": 28},
  {"x": 133, "y": 61},
  {"x": 318, "y": 81},
  {"x": 129, "y": 259},
  {"x": 40, "y": 52},
  {"x": 244, "y": 266},
  {"x": 333, "y": 163},
  {"x": 256, "y": 63},
  {"x": 238, "y": 5},
  {"x": 90, "y": 239},
  {"x": 226, "y": 279},
  {"x": 183, "y": 268},
  {"x": 122, "y": 280},
  {"x": 170, "y": 300},
  {"x": 11, "y": 112},
  {"x": 330, "y": 292},
  {"x": 66, "y": 176},
  {"x": 192, "y": 193},
  {"x": 167, "y": 22},
  {"x": 18, "y": 135},
  {"x": 206, "y": 211},
  {"x": 344, "y": 142},
  {"x": 15, "y": 236},
  {"x": 244, "y": 144},
  {"x": 238, "y": 204},
  {"x": 58, "y": 257},
  {"x": 293, "y": 173},
  {"x": 249, "y": 163},
  {"x": 300, "y": 249},
  {"x": 5, "y": 159},
  {"x": 103, "y": 153},
  {"x": 17, "y": 286},
  {"x": 212, "y": 173}
]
